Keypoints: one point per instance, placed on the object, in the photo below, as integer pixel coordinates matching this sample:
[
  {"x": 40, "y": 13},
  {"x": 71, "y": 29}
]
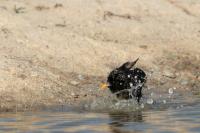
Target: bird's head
[{"x": 127, "y": 65}]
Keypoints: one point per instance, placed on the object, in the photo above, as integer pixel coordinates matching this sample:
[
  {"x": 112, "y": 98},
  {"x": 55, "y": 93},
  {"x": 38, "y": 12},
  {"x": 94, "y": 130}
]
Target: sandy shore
[{"x": 57, "y": 51}]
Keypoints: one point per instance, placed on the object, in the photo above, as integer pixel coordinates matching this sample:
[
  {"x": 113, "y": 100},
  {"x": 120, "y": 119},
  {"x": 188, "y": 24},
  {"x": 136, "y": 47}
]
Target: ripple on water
[
  {"x": 165, "y": 114},
  {"x": 159, "y": 121}
]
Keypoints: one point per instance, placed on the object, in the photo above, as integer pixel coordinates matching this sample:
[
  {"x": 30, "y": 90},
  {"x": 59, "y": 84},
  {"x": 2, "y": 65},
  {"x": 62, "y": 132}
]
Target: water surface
[{"x": 166, "y": 114}]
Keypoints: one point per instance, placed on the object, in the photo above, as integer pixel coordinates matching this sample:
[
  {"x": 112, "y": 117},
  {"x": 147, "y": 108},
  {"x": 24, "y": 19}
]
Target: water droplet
[
  {"x": 164, "y": 101},
  {"x": 131, "y": 84},
  {"x": 149, "y": 101},
  {"x": 117, "y": 104},
  {"x": 129, "y": 76},
  {"x": 170, "y": 91}
]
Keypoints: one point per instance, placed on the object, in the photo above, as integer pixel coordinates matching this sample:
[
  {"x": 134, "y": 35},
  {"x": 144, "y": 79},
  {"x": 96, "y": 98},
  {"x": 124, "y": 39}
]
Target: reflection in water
[
  {"x": 118, "y": 119},
  {"x": 121, "y": 117},
  {"x": 184, "y": 120}
]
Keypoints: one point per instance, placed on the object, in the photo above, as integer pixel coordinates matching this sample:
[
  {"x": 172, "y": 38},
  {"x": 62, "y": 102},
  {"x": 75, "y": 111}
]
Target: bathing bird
[{"x": 126, "y": 82}]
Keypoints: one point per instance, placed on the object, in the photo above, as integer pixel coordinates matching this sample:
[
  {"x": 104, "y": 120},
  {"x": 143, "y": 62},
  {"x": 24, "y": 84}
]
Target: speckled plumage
[{"x": 127, "y": 83}]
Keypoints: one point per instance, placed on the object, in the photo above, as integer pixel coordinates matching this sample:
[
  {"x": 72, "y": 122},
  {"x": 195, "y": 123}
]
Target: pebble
[
  {"x": 168, "y": 73},
  {"x": 76, "y": 96},
  {"x": 74, "y": 82},
  {"x": 34, "y": 74},
  {"x": 162, "y": 82},
  {"x": 183, "y": 82},
  {"x": 73, "y": 94},
  {"x": 60, "y": 100},
  {"x": 187, "y": 89}
]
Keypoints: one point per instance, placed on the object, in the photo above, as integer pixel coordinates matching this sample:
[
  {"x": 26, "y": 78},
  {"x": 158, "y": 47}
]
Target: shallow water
[
  {"x": 186, "y": 119},
  {"x": 169, "y": 113}
]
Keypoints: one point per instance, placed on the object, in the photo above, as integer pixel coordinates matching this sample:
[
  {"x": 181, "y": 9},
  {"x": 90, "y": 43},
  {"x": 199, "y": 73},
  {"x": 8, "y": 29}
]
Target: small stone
[
  {"x": 170, "y": 91},
  {"x": 74, "y": 83},
  {"x": 60, "y": 100},
  {"x": 76, "y": 96},
  {"x": 22, "y": 76},
  {"x": 73, "y": 94},
  {"x": 187, "y": 89},
  {"x": 34, "y": 74},
  {"x": 167, "y": 73},
  {"x": 162, "y": 82},
  {"x": 183, "y": 82}
]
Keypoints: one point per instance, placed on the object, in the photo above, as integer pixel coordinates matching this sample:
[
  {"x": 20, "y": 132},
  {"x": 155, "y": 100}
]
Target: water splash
[
  {"x": 113, "y": 104},
  {"x": 171, "y": 91},
  {"x": 152, "y": 99}
]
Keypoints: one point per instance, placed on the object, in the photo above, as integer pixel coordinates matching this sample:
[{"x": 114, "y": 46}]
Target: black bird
[{"x": 126, "y": 82}]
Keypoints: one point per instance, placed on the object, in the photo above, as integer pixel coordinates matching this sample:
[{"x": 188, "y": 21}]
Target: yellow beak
[{"x": 104, "y": 86}]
